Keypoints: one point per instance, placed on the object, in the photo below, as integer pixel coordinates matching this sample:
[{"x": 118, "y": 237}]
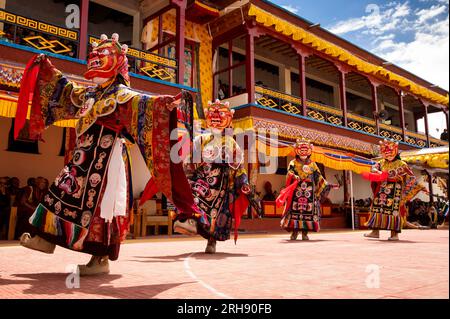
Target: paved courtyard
[{"x": 331, "y": 265}]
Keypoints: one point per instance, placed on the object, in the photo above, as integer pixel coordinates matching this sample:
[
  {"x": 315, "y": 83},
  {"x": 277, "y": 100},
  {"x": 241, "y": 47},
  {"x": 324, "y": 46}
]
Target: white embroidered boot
[
  {"x": 294, "y": 235},
  {"x": 305, "y": 235},
  {"x": 211, "y": 247},
  {"x": 96, "y": 266},
  {"x": 37, "y": 243},
  {"x": 394, "y": 236},
  {"x": 189, "y": 227},
  {"x": 374, "y": 234}
]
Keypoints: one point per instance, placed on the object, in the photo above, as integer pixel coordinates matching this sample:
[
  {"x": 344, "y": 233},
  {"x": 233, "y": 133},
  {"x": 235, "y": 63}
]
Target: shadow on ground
[
  {"x": 55, "y": 284},
  {"x": 182, "y": 257}
]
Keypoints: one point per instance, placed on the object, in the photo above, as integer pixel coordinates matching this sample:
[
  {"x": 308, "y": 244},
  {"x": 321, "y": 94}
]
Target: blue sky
[{"x": 413, "y": 34}]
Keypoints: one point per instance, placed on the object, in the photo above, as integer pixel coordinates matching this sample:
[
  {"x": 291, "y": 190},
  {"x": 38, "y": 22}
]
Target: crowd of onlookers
[
  {"x": 424, "y": 214},
  {"x": 25, "y": 199}
]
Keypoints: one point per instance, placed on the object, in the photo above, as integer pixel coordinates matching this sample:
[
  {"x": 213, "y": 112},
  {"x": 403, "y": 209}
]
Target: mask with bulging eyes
[
  {"x": 218, "y": 115},
  {"x": 303, "y": 149},
  {"x": 108, "y": 59},
  {"x": 389, "y": 150}
]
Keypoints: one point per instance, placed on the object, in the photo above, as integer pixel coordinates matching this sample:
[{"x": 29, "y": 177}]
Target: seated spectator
[
  {"x": 5, "y": 207},
  {"x": 269, "y": 196},
  {"x": 444, "y": 135},
  {"x": 26, "y": 205}
]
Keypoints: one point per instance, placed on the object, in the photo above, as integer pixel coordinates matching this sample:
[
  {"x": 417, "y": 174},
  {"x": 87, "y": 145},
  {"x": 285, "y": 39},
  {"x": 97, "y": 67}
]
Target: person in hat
[
  {"x": 393, "y": 184},
  {"x": 305, "y": 187},
  {"x": 87, "y": 206},
  {"x": 218, "y": 180}
]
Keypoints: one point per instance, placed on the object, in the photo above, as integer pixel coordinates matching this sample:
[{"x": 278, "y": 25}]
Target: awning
[
  {"x": 338, "y": 160},
  {"x": 8, "y": 108},
  {"x": 308, "y": 38},
  {"x": 428, "y": 157}
]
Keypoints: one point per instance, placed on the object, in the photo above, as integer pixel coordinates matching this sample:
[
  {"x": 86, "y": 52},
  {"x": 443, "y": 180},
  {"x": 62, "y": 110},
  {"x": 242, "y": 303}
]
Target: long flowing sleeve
[
  {"x": 151, "y": 125},
  {"x": 411, "y": 187},
  {"x": 322, "y": 186},
  {"x": 54, "y": 97}
]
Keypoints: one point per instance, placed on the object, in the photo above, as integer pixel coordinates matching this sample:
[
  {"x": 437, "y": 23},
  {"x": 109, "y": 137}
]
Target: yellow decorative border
[
  {"x": 279, "y": 95},
  {"x": 204, "y": 6},
  {"x": 361, "y": 119},
  {"x": 391, "y": 128},
  {"x": 37, "y": 25},
  {"x": 324, "y": 108},
  {"x": 150, "y": 57},
  {"x": 299, "y": 34}
]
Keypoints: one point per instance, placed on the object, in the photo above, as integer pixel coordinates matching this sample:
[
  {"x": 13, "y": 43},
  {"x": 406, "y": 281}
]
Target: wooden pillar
[
  {"x": 250, "y": 65},
  {"x": 446, "y": 119},
  {"x": 84, "y": 21},
  {"x": 346, "y": 188},
  {"x": 430, "y": 186},
  {"x": 302, "y": 80},
  {"x": 401, "y": 108},
  {"x": 160, "y": 33},
  {"x": 343, "y": 95},
  {"x": 180, "y": 39},
  {"x": 230, "y": 64},
  {"x": 427, "y": 127},
  {"x": 375, "y": 106}
]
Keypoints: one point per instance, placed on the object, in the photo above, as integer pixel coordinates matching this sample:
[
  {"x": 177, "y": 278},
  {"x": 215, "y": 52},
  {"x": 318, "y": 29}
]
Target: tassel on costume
[
  {"x": 240, "y": 206},
  {"x": 27, "y": 88}
]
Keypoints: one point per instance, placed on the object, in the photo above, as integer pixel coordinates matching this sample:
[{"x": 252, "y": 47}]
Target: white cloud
[
  {"x": 377, "y": 21},
  {"x": 416, "y": 40},
  {"x": 290, "y": 8},
  {"x": 426, "y": 14}
]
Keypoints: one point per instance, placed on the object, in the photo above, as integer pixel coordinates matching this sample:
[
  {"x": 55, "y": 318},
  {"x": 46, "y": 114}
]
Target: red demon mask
[
  {"x": 108, "y": 60},
  {"x": 389, "y": 150},
  {"x": 303, "y": 148},
  {"x": 218, "y": 115}
]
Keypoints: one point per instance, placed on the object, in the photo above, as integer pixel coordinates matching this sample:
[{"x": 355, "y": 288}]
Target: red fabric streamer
[
  {"x": 27, "y": 88},
  {"x": 150, "y": 190},
  {"x": 240, "y": 205},
  {"x": 286, "y": 194},
  {"x": 375, "y": 177}
]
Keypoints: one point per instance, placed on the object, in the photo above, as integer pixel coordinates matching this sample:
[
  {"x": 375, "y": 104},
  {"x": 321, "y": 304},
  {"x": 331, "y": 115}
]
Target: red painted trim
[
  {"x": 229, "y": 36},
  {"x": 229, "y": 68},
  {"x": 427, "y": 127},
  {"x": 84, "y": 22},
  {"x": 343, "y": 96},
  {"x": 302, "y": 80},
  {"x": 326, "y": 35},
  {"x": 250, "y": 65},
  {"x": 161, "y": 36},
  {"x": 401, "y": 107},
  {"x": 161, "y": 45},
  {"x": 158, "y": 13},
  {"x": 375, "y": 107},
  {"x": 230, "y": 64},
  {"x": 180, "y": 41}
]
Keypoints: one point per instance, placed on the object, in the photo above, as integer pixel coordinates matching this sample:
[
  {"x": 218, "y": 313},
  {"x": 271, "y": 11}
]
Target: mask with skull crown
[
  {"x": 389, "y": 150},
  {"x": 303, "y": 148},
  {"x": 108, "y": 60},
  {"x": 218, "y": 115}
]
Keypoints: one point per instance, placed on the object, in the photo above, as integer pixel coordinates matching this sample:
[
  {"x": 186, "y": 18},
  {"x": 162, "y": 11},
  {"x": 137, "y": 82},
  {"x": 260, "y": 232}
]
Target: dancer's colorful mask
[
  {"x": 389, "y": 150},
  {"x": 108, "y": 60},
  {"x": 218, "y": 115},
  {"x": 303, "y": 148}
]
